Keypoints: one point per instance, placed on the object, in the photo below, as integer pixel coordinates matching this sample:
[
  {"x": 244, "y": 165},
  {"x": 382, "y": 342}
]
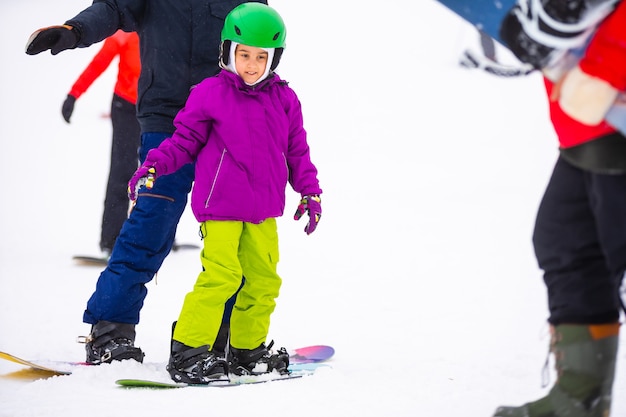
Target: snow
[{"x": 421, "y": 273}]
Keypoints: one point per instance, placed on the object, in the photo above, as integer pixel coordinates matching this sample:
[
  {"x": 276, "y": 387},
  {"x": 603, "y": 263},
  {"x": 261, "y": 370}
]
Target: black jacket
[{"x": 179, "y": 47}]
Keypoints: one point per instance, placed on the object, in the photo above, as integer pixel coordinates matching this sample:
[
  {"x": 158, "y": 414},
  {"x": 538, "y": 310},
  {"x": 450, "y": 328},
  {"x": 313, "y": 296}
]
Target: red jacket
[
  {"x": 126, "y": 46},
  {"x": 605, "y": 58}
]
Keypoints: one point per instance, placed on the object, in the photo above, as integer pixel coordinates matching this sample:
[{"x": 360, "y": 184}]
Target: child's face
[{"x": 250, "y": 62}]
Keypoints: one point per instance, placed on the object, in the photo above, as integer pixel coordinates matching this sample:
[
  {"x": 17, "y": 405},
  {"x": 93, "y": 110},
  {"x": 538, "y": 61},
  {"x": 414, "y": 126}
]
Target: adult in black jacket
[{"x": 179, "y": 44}]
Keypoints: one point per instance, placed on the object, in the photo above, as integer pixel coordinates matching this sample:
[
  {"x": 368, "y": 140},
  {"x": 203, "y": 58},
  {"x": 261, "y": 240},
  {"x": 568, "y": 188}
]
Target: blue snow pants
[
  {"x": 145, "y": 240},
  {"x": 580, "y": 243}
]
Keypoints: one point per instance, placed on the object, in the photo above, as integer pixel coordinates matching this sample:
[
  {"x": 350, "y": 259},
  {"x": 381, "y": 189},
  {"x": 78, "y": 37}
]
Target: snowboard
[
  {"x": 487, "y": 16},
  {"x": 219, "y": 383},
  {"x": 296, "y": 371},
  {"x": 300, "y": 359},
  {"x": 37, "y": 366},
  {"x": 184, "y": 246},
  {"x": 87, "y": 260}
]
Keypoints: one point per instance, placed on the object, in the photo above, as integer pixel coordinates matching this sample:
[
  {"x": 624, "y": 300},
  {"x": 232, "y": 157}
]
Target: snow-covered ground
[{"x": 421, "y": 273}]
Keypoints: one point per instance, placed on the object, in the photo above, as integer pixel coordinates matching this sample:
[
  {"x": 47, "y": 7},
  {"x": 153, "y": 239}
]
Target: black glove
[
  {"x": 55, "y": 38},
  {"x": 68, "y": 107}
]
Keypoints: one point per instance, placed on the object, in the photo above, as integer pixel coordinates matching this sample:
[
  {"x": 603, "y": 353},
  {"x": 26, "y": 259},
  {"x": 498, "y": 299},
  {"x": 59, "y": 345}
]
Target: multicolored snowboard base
[
  {"x": 33, "y": 365},
  {"x": 302, "y": 360},
  {"x": 220, "y": 383},
  {"x": 309, "y": 354}
]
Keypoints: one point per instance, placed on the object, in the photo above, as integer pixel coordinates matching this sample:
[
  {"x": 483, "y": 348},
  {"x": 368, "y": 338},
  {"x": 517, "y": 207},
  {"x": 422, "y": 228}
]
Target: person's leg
[
  {"x": 144, "y": 241},
  {"x": 255, "y": 303},
  {"x": 580, "y": 243},
  {"x": 124, "y": 161},
  {"x": 258, "y": 253},
  {"x": 193, "y": 357},
  {"x": 203, "y": 308}
]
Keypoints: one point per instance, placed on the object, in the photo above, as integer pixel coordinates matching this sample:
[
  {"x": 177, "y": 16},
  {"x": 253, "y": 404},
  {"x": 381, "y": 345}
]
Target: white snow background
[{"x": 421, "y": 273}]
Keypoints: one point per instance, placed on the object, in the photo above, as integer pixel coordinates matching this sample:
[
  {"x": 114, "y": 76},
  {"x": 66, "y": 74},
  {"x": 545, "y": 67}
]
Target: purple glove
[
  {"x": 145, "y": 175},
  {"x": 312, "y": 205}
]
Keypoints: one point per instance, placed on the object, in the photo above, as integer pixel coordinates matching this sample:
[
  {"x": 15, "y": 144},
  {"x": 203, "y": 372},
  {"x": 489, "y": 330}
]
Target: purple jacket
[{"x": 247, "y": 142}]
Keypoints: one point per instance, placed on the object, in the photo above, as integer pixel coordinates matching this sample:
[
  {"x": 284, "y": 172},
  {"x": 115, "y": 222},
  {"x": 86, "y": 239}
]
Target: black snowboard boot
[
  {"x": 258, "y": 361},
  {"x": 110, "y": 341},
  {"x": 195, "y": 365},
  {"x": 585, "y": 364}
]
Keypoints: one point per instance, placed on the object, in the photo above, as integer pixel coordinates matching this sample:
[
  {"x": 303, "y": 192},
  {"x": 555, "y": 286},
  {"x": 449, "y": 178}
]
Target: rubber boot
[{"x": 585, "y": 357}]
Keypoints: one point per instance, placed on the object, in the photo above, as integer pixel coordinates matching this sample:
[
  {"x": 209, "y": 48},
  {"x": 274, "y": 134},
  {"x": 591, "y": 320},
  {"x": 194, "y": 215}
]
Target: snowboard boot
[
  {"x": 195, "y": 365},
  {"x": 258, "y": 361},
  {"x": 585, "y": 357},
  {"x": 110, "y": 341}
]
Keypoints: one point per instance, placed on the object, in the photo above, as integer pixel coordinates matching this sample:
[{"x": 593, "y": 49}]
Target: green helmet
[{"x": 255, "y": 24}]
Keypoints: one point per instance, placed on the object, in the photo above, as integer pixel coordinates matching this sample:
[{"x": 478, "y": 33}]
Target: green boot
[{"x": 585, "y": 365}]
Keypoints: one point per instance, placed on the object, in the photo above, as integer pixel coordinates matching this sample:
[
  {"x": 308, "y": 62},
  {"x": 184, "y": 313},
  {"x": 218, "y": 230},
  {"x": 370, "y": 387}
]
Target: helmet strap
[
  {"x": 224, "y": 53},
  {"x": 278, "y": 52}
]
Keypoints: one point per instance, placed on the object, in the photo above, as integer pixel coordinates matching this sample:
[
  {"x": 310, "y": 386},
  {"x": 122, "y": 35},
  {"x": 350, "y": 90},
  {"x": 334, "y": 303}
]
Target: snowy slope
[{"x": 421, "y": 273}]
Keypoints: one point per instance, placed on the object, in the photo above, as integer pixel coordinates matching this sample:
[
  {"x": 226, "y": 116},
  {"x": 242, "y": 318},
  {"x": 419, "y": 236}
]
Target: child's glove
[
  {"x": 145, "y": 175},
  {"x": 55, "y": 38},
  {"x": 312, "y": 205}
]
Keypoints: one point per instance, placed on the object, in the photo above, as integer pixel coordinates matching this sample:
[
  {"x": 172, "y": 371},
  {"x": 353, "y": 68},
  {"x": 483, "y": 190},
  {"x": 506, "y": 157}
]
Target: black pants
[
  {"x": 124, "y": 162},
  {"x": 580, "y": 243}
]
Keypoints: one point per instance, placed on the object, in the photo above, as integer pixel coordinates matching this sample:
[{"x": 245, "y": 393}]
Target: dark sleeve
[{"x": 104, "y": 17}]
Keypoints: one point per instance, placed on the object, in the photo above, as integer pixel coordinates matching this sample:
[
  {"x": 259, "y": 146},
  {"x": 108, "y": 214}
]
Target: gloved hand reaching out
[
  {"x": 145, "y": 175},
  {"x": 56, "y": 38},
  {"x": 312, "y": 205}
]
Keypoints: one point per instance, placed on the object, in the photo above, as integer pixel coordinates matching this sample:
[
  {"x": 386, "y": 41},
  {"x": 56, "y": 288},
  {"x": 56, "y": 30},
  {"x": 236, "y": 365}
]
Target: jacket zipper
[{"x": 217, "y": 173}]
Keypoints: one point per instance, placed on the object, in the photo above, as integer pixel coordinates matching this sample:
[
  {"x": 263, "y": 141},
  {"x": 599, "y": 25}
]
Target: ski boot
[
  {"x": 258, "y": 361},
  {"x": 110, "y": 342},
  {"x": 195, "y": 365},
  {"x": 585, "y": 365}
]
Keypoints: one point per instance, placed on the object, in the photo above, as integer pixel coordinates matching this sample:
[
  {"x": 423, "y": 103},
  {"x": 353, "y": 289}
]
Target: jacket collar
[{"x": 272, "y": 78}]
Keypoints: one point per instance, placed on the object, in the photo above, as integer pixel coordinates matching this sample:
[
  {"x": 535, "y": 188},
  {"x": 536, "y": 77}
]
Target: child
[{"x": 243, "y": 128}]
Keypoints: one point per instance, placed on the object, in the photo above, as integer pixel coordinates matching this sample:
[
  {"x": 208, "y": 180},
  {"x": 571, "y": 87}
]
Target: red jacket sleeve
[
  {"x": 96, "y": 67},
  {"x": 605, "y": 57}
]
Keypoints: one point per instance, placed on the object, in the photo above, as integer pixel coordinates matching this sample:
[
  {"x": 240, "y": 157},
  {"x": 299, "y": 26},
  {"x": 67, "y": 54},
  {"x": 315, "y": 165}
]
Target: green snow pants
[{"x": 233, "y": 249}]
